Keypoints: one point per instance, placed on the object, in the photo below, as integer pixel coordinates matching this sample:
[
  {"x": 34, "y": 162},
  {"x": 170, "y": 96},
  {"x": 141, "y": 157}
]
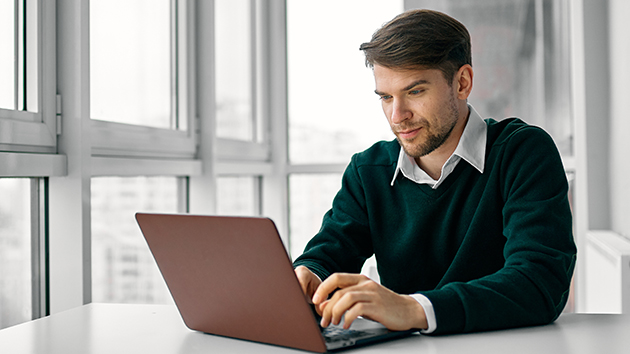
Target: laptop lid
[{"x": 231, "y": 276}]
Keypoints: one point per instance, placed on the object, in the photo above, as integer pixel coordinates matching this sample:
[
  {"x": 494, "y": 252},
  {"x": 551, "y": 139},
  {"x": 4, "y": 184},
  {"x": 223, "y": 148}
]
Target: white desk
[{"x": 106, "y": 328}]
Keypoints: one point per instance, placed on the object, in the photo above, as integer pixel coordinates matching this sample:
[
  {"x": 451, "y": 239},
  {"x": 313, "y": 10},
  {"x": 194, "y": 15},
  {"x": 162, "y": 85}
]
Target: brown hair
[{"x": 420, "y": 39}]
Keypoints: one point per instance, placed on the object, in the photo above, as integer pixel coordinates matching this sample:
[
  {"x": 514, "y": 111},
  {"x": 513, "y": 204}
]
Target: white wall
[
  {"x": 597, "y": 110},
  {"x": 619, "y": 12},
  {"x": 605, "y": 143}
]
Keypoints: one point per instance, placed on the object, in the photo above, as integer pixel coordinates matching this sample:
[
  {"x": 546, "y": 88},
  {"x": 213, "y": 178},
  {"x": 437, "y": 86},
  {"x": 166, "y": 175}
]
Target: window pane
[
  {"x": 123, "y": 269},
  {"x": 15, "y": 252},
  {"x": 31, "y": 62},
  {"x": 310, "y": 197},
  {"x": 333, "y": 111},
  {"x": 520, "y": 58},
  {"x": 7, "y": 54},
  {"x": 233, "y": 67},
  {"x": 130, "y": 61},
  {"x": 237, "y": 195}
]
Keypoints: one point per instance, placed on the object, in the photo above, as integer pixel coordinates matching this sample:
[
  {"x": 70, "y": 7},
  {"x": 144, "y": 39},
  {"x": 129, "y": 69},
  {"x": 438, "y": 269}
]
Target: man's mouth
[{"x": 409, "y": 133}]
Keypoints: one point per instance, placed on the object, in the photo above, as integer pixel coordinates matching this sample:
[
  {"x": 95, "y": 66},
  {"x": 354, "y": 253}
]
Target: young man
[{"x": 469, "y": 219}]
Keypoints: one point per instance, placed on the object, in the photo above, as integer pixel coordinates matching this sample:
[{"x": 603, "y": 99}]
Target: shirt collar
[{"x": 471, "y": 148}]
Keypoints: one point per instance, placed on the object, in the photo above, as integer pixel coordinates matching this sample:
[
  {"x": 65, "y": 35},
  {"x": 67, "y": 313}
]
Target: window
[
  {"x": 131, "y": 68},
  {"x": 241, "y": 128},
  {"x": 27, "y": 98},
  {"x": 19, "y": 62},
  {"x": 333, "y": 111},
  {"x": 241, "y": 50},
  {"x": 234, "y": 48},
  {"x": 311, "y": 197},
  {"x": 28, "y": 141},
  {"x": 22, "y": 264},
  {"x": 520, "y": 58},
  {"x": 15, "y": 252},
  {"x": 139, "y": 78},
  {"x": 238, "y": 195},
  {"x": 143, "y": 137},
  {"x": 7, "y": 55},
  {"x": 123, "y": 269}
]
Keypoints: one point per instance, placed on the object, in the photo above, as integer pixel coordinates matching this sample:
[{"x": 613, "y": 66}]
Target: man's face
[{"x": 420, "y": 106}]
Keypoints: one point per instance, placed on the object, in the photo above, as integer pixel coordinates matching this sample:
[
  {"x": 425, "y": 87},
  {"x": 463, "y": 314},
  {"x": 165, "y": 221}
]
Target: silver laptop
[{"x": 231, "y": 276}]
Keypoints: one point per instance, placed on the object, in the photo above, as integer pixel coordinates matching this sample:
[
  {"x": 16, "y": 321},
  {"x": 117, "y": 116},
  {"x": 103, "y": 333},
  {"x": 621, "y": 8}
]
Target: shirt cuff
[{"x": 428, "y": 312}]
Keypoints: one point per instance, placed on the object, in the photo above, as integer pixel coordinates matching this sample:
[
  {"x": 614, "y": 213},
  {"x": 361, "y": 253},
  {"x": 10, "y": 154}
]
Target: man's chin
[{"x": 413, "y": 151}]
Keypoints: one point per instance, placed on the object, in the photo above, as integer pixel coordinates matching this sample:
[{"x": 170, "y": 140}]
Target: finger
[
  {"x": 325, "y": 321},
  {"x": 308, "y": 281},
  {"x": 359, "y": 309},
  {"x": 347, "y": 300},
  {"x": 299, "y": 273},
  {"x": 334, "y": 282},
  {"x": 326, "y": 308},
  {"x": 319, "y": 308},
  {"x": 333, "y": 310}
]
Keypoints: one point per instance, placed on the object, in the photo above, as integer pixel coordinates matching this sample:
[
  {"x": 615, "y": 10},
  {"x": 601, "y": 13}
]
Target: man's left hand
[{"x": 358, "y": 295}]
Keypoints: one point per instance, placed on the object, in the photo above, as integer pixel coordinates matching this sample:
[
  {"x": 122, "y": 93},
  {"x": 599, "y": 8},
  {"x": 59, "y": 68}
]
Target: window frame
[
  {"x": 24, "y": 131},
  {"x": 40, "y": 301},
  {"x": 38, "y": 240},
  {"x": 124, "y": 140},
  {"x": 259, "y": 148},
  {"x": 129, "y": 150}
]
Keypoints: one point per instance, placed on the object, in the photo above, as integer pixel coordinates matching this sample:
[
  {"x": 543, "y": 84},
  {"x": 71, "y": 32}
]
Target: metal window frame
[
  {"x": 124, "y": 140},
  {"x": 24, "y": 131},
  {"x": 258, "y": 149},
  {"x": 40, "y": 300}
]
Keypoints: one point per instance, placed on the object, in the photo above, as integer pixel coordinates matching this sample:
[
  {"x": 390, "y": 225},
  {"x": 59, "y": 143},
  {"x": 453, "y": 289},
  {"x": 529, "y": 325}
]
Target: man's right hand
[{"x": 308, "y": 280}]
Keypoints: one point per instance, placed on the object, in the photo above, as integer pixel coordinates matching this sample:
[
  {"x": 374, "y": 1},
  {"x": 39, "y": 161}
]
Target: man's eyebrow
[
  {"x": 416, "y": 83},
  {"x": 408, "y": 87}
]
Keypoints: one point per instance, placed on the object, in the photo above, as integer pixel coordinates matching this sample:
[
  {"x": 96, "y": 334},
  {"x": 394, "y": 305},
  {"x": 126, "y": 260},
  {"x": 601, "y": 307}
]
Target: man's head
[
  {"x": 421, "y": 64},
  {"x": 420, "y": 39}
]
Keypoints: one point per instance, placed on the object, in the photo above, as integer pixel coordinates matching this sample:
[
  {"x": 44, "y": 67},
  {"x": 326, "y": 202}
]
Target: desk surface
[{"x": 108, "y": 328}]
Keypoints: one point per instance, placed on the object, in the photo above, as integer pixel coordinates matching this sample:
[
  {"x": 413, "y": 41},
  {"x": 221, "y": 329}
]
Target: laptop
[{"x": 232, "y": 277}]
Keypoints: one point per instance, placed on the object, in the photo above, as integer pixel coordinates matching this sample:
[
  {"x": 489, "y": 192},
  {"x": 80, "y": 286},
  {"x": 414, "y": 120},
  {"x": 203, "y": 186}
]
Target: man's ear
[{"x": 464, "y": 81}]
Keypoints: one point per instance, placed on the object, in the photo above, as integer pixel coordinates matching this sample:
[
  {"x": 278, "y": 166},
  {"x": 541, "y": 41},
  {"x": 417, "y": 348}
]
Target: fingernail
[{"x": 316, "y": 299}]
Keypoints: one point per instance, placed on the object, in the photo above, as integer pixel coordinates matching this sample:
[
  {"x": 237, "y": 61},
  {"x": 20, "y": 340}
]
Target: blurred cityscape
[
  {"x": 15, "y": 251},
  {"x": 123, "y": 269}
]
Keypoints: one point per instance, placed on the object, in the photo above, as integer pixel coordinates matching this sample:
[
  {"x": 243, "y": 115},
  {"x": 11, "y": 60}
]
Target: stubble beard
[{"x": 433, "y": 140}]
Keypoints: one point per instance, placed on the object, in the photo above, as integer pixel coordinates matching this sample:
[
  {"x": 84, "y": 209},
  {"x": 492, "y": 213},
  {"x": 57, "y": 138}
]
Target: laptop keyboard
[{"x": 335, "y": 334}]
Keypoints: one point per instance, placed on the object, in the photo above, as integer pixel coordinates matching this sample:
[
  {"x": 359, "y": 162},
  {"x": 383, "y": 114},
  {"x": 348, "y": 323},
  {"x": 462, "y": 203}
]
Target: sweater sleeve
[
  {"x": 533, "y": 286},
  {"x": 343, "y": 243}
]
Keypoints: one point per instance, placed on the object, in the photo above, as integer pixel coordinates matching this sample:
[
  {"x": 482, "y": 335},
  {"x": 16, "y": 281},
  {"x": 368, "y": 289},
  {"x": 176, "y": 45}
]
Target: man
[{"x": 469, "y": 219}]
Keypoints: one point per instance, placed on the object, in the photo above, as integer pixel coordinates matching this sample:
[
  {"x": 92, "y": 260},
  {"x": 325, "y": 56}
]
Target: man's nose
[{"x": 400, "y": 112}]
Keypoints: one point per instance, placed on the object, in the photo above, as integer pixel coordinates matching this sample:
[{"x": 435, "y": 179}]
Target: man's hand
[
  {"x": 308, "y": 281},
  {"x": 358, "y": 295}
]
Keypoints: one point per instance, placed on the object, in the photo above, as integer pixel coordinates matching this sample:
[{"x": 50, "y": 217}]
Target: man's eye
[
  {"x": 415, "y": 92},
  {"x": 385, "y": 98}
]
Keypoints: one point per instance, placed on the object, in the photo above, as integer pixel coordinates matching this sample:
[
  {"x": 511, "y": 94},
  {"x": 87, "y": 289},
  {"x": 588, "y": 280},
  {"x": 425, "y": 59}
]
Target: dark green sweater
[{"x": 492, "y": 250}]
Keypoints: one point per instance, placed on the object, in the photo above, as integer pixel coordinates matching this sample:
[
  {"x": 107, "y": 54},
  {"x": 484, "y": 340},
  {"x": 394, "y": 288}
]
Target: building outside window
[
  {"x": 15, "y": 251},
  {"x": 123, "y": 269}
]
